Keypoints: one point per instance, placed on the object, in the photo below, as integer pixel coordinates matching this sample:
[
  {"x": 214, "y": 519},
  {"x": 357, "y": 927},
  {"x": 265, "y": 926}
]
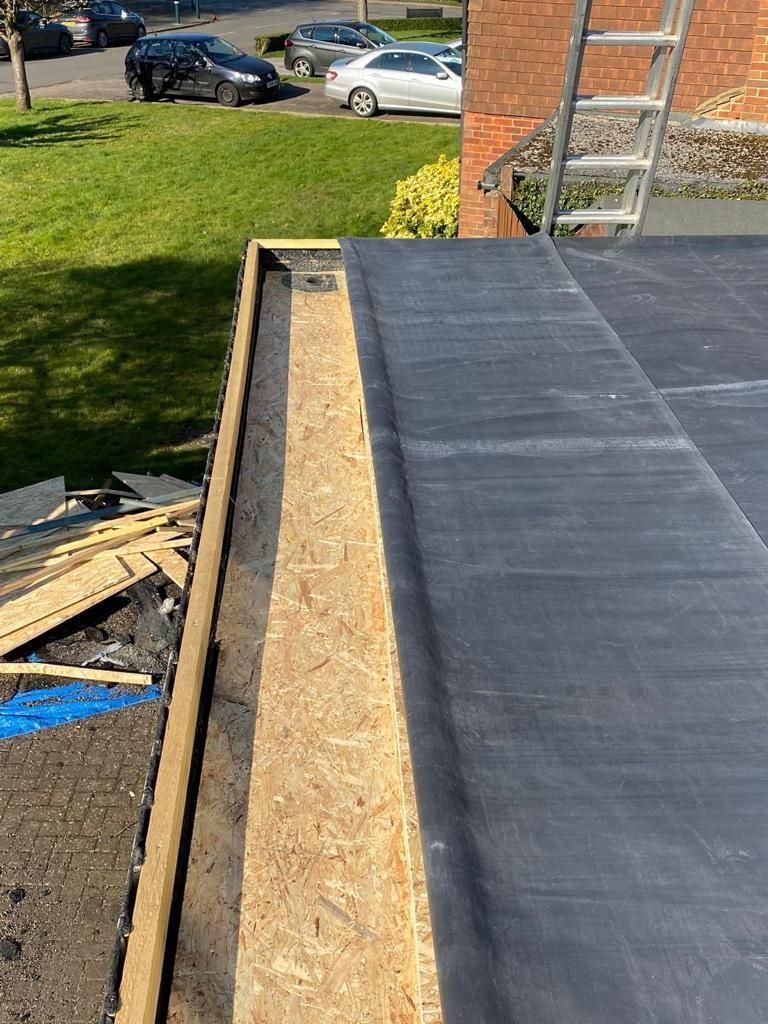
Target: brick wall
[
  {"x": 516, "y": 58},
  {"x": 483, "y": 135},
  {"x": 756, "y": 93},
  {"x": 517, "y": 52}
]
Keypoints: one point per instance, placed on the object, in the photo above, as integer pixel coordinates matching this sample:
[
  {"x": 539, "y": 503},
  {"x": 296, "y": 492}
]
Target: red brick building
[{"x": 516, "y": 58}]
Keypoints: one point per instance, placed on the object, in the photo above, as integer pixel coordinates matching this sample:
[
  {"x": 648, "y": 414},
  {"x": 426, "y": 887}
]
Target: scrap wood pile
[{"x": 62, "y": 553}]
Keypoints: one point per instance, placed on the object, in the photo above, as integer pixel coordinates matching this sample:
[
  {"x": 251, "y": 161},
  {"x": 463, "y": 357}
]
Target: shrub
[
  {"x": 426, "y": 205},
  {"x": 268, "y": 44}
]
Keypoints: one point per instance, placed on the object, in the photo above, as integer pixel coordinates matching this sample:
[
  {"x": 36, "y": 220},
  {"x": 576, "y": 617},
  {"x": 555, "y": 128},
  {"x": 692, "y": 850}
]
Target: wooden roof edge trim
[
  {"x": 297, "y": 243},
  {"x": 145, "y": 949}
]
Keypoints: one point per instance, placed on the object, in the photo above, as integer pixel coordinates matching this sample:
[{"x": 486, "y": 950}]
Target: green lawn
[{"x": 121, "y": 227}]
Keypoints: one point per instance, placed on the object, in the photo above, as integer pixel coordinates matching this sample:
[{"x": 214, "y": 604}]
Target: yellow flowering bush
[{"x": 426, "y": 205}]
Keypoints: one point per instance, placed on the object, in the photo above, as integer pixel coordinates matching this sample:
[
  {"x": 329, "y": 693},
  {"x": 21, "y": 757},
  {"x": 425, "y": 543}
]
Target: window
[
  {"x": 392, "y": 60},
  {"x": 159, "y": 49},
  {"x": 377, "y": 37},
  {"x": 349, "y": 38},
  {"x": 187, "y": 53},
  {"x": 306, "y": 31},
  {"x": 324, "y": 33},
  {"x": 220, "y": 50},
  {"x": 451, "y": 58},
  {"x": 421, "y": 64},
  {"x": 115, "y": 9}
]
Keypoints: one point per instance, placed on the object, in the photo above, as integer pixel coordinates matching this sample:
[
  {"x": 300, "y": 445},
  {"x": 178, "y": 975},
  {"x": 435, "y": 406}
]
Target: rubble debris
[
  {"x": 17, "y": 895},
  {"x": 61, "y": 562},
  {"x": 55, "y": 566},
  {"x": 94, "y": 633},
  {"x": 10, "y": 949}
]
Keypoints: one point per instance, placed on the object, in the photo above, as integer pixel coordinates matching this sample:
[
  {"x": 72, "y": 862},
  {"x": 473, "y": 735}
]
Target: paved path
[{"x": 69, "y": 802}]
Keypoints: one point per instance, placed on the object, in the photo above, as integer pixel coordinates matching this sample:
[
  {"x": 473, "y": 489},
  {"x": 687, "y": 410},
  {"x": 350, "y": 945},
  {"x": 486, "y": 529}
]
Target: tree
[
  {"x": 9, "y": 14},
  {"x": 362, "y": 10}
]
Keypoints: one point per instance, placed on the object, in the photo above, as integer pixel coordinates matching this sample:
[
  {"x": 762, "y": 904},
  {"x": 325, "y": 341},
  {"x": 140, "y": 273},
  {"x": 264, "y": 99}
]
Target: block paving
[{"x": 69, "y": 801}]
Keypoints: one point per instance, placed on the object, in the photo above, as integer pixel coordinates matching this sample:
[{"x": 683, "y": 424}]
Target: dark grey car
[
  {"x": 103, "y": 23},
  {"x": 38, "y": 35},
  {"x": 199, "y": 66},
  {"x": 311, "y": 48}
]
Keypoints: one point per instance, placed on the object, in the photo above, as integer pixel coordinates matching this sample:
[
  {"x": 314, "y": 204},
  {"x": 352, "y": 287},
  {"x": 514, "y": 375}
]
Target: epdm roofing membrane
[{"x": 569, "y": 444}]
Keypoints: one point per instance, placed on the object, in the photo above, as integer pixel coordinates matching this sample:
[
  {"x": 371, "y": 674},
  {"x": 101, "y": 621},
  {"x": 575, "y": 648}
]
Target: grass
[{"x": 122, "y": 226}]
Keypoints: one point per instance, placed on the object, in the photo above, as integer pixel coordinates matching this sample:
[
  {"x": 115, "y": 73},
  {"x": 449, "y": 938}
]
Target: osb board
[
  {"x": 429, "y": 995},
  {"x": 33, "y": 504},
  {"x": 76, "y": 592},
  {"x": 40, "y": 600},
  {"x": 298, "y": 904}
]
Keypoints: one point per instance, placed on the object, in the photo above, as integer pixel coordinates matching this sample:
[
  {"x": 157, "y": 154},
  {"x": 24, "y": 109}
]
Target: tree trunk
[
  {"x": 362, "y": 10},
  {"x": 20, "y": 83}
]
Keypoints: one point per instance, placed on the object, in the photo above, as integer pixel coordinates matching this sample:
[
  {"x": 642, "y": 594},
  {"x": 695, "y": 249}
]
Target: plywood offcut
[
  {"x": 70, "y": 601},
  {"x": 33, "y": 504}
]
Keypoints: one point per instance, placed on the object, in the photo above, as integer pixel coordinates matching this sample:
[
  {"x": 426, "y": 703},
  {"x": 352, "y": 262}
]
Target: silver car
[{"x": 400, "y": 76}]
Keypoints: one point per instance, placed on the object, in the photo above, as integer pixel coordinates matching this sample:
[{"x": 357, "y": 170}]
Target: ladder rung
[
  {"x": 590, "y": 161},
  {"x": 594, "y": 217},
  {"x": 582, "y": 103},
  {"x": 630, "y": 38}
]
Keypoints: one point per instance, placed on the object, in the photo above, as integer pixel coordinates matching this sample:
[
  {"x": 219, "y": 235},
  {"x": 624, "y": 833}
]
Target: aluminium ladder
[{"x": 653, "y": 107}]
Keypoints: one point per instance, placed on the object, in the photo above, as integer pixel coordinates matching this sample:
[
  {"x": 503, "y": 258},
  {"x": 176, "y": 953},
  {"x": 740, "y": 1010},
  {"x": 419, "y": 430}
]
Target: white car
[{"x": 399, "y": 76}]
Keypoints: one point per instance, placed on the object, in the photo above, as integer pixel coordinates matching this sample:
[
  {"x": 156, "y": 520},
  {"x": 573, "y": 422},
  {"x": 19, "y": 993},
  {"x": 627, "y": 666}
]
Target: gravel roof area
[{"x": 689, "y": 154}]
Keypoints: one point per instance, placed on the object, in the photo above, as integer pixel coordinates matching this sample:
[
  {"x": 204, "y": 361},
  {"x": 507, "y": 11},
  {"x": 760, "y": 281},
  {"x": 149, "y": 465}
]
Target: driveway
[
  {"x": 90, "y": 74},
  {"x": 303, "y": 100}
]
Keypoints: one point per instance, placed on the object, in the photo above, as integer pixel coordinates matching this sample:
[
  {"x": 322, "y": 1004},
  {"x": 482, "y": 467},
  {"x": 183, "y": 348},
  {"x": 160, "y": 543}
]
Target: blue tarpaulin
[{"x": 58, "y": 705}]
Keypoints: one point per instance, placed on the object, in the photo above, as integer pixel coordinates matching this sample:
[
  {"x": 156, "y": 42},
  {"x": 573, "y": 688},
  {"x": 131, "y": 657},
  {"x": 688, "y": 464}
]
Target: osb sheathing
[{"x": 305, "y": 898}]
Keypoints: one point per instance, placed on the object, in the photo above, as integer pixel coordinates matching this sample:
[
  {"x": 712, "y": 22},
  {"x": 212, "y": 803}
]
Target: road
[{"x": 89, "y": 74}]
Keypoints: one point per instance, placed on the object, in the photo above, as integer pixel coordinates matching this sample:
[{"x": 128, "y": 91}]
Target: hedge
[
  {"x": 395, "y": 25},
  {"x": 267, "y": 44},
  {"x": 529, "y": 193}
]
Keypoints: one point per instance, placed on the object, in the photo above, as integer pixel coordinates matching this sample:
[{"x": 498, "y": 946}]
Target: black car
[
  {"x": 100, "y": 24},
  {"x": 197, "y": 65},
  {"x": 38, "y": 35},
  {"x": 311, "y": 49}
]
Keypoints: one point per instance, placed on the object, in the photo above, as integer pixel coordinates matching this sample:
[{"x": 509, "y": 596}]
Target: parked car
[
  {"x": 457, "y": 44},
  {"x": 38, "y": 35},
  {"x": 312, "y": 48},
  {"x": 101, "y": 24},
  {"x": 197, "y": 65},
  {"x": 400, "y": 76}
]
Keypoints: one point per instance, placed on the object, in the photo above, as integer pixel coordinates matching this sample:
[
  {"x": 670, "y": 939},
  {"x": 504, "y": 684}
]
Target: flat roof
[
  {"x": 547, "y": 706},
  {"x": 571, "y": 451}
]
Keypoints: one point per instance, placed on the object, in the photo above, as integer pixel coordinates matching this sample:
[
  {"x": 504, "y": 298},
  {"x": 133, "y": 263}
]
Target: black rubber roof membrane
[{"x": 570, "y": 447}]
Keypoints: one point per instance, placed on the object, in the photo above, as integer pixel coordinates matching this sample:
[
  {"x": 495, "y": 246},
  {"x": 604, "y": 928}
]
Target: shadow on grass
[
  {"x": 70, "y": 127},
  {"x": 106, "y": 368}
]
